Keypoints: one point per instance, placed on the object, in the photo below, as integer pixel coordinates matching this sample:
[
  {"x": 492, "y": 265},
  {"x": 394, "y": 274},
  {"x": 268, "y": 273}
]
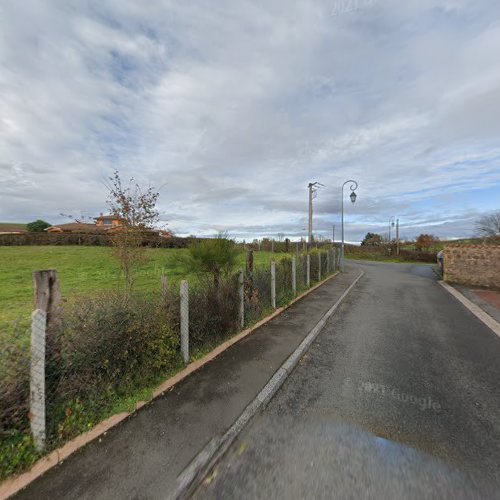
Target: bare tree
[
  {"x": 135, "y": 208},
  {"x": 488, "y": 225}
]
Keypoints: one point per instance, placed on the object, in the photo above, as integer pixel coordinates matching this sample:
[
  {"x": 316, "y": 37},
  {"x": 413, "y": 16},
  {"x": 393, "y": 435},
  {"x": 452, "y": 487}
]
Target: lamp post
[
  {"x": 391, "y": 224},
  {"x": 397, "y": 236},
  {"x": 353, "y": 185}
]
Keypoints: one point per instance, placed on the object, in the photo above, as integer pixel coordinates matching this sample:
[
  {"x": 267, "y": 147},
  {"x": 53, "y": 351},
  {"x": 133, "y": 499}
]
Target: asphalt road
[{"x": 399, "y": 397}]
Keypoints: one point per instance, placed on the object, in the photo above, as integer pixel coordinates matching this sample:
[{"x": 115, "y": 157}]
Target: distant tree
[
  {"x": 136, "y": 209},
  {"x": 371, "y": 239},
  {"x": 37, "y": 226},
  {"x": 488, "y": 225},
  {"x": 425, "y": 242}
]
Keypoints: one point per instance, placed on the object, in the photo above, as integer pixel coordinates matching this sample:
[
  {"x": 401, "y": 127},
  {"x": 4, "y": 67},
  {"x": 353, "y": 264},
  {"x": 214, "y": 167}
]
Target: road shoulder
[{"x": 474, "y": 308}]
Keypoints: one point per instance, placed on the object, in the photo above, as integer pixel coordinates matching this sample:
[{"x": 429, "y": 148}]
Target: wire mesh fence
[{"x": 102, "y": 353}]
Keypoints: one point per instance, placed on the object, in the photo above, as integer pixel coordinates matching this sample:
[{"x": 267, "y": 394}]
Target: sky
[{"x": 231, "y": 107}]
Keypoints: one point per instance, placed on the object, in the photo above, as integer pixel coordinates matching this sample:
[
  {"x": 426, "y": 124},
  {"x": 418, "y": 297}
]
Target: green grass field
[{"x": 82, "y": 270}]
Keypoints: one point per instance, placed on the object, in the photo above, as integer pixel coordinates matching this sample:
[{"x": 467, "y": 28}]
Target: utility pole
[
  {"x": 333, "y": 234},
  {"x": 310, "y": 231},
  {"x": 313, "y": 188},
  {"x": 397, "y": 236}
]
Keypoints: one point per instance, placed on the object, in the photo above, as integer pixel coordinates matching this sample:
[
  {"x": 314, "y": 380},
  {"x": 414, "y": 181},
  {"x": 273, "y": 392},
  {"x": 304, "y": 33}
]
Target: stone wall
[{"x": 473, "y": 265}]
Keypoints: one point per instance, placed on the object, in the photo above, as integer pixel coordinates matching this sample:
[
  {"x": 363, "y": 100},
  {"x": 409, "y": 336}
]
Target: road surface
[{"x": 399, "y": 397}]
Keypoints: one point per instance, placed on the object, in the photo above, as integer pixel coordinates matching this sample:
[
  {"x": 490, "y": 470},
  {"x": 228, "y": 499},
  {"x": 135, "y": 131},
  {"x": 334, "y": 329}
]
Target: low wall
[{"x": 473, "y": 265}]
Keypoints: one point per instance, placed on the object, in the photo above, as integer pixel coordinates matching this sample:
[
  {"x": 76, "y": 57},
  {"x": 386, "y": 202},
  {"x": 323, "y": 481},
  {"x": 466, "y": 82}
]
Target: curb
[
  {"x": 490, "y": 322},
  {"x": 15, "y": 484},
  {"x": 201, "y": 465}
]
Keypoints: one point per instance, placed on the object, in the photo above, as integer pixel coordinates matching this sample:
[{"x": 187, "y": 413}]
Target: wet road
[{"x": 399, "y": 397}]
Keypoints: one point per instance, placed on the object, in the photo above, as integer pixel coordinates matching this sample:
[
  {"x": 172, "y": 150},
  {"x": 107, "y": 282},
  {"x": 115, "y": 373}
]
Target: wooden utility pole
[
  {"x": 397, "y": 236},
  {"x": 311, "y": 190},
  {"x": 313, "y": 187}
]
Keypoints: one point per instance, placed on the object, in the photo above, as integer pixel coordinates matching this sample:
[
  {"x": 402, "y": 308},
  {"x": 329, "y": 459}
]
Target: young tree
[
  {"x": 371, "y": 239},
  {"x": 425, "y": 242},
  {"x": 135, "y": 207},
  {"x": 215, "y": 256},
  {"x": 488, "y": 225},
  {"x": 37, "y": 226}
]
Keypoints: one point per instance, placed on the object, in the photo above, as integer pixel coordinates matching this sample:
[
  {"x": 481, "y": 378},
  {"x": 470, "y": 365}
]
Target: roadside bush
[
  {"x": 14, "y": 384},
  {"x": 213, "y": 312},
  {"x": 16, "y": 446},
  {"x": 388, "y": 252},
  {"x": 258, "y": 294},
  {"x": 105, "y": 345},
  {"x": 284, "y": 281}
]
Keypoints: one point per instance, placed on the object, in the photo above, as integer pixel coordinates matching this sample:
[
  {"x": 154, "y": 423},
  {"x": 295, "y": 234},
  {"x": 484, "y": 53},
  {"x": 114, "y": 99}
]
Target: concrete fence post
[
  {"x": 164, "y": 287},
  {"x": 241, "y": 289},
  {"x": 308, "y": 271},
  {"x": 294, "y": 275},
  {"x": 273, "y": 284},
  {"x": 328, "y": 262},
  {"x": 319, "y": 266},
  {"x": 37, "y": 378},
  {"x": 43, "y": 320},
  {"x": 184, "y": 296}
]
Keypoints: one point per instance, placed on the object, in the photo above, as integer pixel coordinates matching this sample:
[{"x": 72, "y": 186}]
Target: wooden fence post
[
  {"x": 249, "y": 273},
  {"x": 47, "y": 295}
]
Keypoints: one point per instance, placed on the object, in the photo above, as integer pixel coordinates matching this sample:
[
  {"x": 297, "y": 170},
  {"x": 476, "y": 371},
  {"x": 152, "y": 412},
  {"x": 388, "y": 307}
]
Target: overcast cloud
[{"x": 233, "y": 106}]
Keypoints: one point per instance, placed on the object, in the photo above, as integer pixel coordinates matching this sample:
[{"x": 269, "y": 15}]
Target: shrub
[
  {"x": 37, "y": 226},
  {"x": 213, "y": 256},
  {"x": 106, "y": 345},
  {"x": 214, "y": 313}
]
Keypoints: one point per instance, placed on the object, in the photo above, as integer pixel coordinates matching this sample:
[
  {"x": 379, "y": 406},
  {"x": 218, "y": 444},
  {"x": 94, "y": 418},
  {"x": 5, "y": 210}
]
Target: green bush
[
  {"x": 37, "y": 226},
  {"x": 216, "y": 257}
]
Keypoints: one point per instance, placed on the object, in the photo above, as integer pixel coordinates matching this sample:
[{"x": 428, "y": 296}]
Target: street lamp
[
  {"x": 353, "y": 185},
  {"x": 391, "y": 224}
]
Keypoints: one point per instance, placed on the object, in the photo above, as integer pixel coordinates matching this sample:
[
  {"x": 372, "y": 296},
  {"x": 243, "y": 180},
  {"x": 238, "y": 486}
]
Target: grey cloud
[{"x": 235, "y": 107}]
